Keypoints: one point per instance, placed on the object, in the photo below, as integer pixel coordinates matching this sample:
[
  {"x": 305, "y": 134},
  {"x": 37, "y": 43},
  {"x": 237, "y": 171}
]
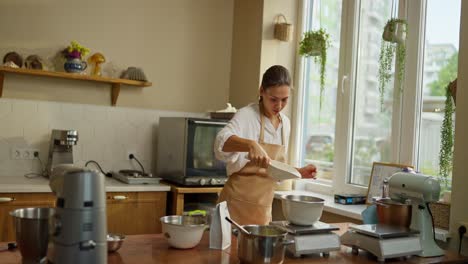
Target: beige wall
[
  {"x": 246, "y": 51},
  {"x": 459, "y": 205},
  {"x": 254, "y": 48},
  {"x": 184, "y": 47}
]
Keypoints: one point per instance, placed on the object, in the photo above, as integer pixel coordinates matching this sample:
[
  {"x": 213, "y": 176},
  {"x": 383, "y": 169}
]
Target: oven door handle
[{"x": 209, "y": 123}]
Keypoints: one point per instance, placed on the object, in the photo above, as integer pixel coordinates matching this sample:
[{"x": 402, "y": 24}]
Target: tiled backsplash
[{"x": 106, "y": 134}]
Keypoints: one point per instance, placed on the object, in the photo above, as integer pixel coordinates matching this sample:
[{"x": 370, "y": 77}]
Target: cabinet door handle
[
  {"x": 120, "y": 197},
  {"x": 6, "y": 199}
]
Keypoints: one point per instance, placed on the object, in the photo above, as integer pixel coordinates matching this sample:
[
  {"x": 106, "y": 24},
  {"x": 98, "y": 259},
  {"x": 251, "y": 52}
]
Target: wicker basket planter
[
  {"x": 283, "y": 30},
  {"x": 441, "y": 213}
]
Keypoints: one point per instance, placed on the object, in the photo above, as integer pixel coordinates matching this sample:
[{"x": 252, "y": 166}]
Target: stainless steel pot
[
  {"x": 393, "y": 213},
  {"x": 265, "y": 244},
  {"x": 32, "y": 233}
]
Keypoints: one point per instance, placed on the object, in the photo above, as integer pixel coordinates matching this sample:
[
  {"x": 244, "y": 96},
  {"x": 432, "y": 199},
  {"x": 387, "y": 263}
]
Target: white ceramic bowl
[
  {"x": 183, "y": 231},
  {"x": 302, "y": 209},
  {"x": 282, "y": 171}
]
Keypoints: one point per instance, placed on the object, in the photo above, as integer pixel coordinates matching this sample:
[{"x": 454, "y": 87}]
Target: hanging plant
[
  {"x": 315, "y": 44},
  {"x": 446, "y": 137},
  {"x": 393, "y": 41}
]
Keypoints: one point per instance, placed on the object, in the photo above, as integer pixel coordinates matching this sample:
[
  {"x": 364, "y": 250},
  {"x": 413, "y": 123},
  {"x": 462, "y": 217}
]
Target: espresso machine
[
  {"x": 78, "y": 228},
  {"x": 386, "y": 241},
  {"x": 61, "y": 148}
]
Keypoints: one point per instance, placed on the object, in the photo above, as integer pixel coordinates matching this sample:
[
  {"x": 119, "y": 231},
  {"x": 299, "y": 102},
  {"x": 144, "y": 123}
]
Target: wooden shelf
[{"x": 115, "y": 83}]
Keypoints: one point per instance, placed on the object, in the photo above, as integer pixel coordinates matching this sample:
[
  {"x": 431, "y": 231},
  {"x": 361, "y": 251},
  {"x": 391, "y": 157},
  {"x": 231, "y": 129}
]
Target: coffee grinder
[
  {"x": 386, "y": 241},
  {"x": 61, "y": 148},
  {"x": 78, "y": 227}
]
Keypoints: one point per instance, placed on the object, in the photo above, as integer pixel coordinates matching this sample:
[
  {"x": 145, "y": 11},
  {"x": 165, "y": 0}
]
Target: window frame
[{"x": 406, "y": 106}]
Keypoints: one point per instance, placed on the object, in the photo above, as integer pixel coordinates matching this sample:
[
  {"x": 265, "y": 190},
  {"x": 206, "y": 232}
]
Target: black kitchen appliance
[{"x": 186, "y": 151}]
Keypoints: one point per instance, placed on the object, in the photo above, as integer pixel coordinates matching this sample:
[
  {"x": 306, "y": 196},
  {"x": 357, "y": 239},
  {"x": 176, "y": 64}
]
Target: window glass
[
  {"x": 319, "y": 125},
  {"x": 440, "y": 68},
  {"x": 371, "y": 138}
]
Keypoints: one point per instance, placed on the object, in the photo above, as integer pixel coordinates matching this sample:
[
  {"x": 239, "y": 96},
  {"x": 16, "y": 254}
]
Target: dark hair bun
[{"x": 276, "y": 75}]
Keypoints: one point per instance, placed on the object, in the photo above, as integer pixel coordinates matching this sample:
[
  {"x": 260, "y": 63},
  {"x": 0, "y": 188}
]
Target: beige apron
[{"x": 249, "y": 192}]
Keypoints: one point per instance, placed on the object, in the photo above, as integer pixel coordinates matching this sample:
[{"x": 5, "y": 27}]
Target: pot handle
[{"x": 288, "y": 242}]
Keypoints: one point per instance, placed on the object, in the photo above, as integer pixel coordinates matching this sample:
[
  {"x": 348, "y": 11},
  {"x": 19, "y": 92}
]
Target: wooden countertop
[{"x": 154, "y": 248}]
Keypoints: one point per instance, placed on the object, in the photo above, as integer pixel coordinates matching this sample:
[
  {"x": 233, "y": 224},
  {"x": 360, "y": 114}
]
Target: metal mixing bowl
[
  {"x": 302, "y": 209},
  {"x": 114, "y": 242}
]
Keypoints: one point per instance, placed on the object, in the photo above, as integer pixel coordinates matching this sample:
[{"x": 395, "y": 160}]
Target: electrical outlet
[
  {"x": 23, "y": 153},
  {"x": 463, "y": 224},
  {"x": 128, "y": 154}
]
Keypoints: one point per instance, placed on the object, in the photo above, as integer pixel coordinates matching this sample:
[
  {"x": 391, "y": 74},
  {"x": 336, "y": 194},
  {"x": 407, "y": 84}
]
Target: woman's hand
[
  {"x": 308, "y": 172},
  {"x": 258, "y": 156}
]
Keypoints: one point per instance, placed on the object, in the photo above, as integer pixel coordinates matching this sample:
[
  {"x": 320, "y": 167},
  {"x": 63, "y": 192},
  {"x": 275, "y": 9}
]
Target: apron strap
[{"x": 262, "y": 127}]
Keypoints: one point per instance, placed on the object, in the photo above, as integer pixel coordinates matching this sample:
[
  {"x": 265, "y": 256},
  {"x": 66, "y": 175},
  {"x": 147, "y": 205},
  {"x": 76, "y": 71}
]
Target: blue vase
[{"x": 75, "y": 65}]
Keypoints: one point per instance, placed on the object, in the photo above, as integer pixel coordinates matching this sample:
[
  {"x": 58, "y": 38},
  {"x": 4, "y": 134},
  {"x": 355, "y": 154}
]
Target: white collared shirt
[{"x": 246, "y": 124}]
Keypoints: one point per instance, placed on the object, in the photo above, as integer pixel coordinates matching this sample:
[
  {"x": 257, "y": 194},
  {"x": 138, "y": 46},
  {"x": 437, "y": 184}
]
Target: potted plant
[
  {"x": 446, "y": 137},
  {"x": 393, "y": 41},
  {"x": 315, "y": 44},
  {"x": 395, "y": 30}
]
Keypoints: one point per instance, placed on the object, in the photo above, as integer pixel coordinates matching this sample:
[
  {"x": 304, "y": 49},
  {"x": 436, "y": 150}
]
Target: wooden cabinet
[
  {"x": 12, "y": 201},
  {"x": 133, "y": 213},
  {"x": 128, "y": 213},
  {"x": 178, "y": 195}
]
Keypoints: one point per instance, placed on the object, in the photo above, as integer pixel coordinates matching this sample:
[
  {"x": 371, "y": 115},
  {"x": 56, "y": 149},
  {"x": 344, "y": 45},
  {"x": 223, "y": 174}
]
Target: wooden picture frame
[{"x": 381, "y": 170}]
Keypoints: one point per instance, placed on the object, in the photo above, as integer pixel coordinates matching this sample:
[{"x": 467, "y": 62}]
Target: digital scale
[
  {"x": 383, "y": 241},
  {"x": 316, "y": 238},
  {"x": 135, "y": 177}
]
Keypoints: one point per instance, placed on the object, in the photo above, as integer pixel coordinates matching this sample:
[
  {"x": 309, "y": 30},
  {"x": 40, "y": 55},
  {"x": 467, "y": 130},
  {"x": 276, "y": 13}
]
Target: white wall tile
[
  {"x": 71, "y": 112},
  {"x": 5, "y": 108},
  {"x": 36, "y": 130},
  {"x": 95, "y": 114},
  {"x": 11, "y": 127},
  {"x": 106, "y": 134},
  {"x": 49, "y": 110},
  {"x": 24, "y": 110},
  {"x": 114, "y": 151},
  {"x": 4, "y": 150}
]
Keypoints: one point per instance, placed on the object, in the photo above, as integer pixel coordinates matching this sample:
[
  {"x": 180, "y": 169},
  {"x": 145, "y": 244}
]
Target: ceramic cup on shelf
[{"x": 75, "y": 65}]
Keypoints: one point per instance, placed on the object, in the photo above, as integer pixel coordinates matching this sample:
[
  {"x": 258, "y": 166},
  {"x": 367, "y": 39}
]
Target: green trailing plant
[
  {"x": 385, "y": 68},
  {"x": 393, "y": 42},
  {"x": 446, "y": 138},
  {"x": 315, "y": 44}
]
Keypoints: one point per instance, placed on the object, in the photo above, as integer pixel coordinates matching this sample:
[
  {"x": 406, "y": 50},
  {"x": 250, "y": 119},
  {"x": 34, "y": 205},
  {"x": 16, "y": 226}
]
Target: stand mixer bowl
[{"x": 393, "y": 213}]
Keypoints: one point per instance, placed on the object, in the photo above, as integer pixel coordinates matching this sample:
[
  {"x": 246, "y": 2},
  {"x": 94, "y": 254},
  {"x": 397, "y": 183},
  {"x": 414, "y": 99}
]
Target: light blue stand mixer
[
  {"x": 421, "y": 190},
  {"x": 389, "y": 241}
]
